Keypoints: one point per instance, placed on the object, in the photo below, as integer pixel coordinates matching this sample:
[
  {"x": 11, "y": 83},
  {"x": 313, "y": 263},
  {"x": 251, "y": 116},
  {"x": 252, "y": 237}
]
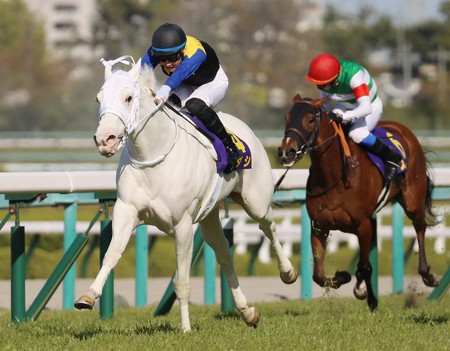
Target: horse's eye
[{"x": 128, "y": 99}]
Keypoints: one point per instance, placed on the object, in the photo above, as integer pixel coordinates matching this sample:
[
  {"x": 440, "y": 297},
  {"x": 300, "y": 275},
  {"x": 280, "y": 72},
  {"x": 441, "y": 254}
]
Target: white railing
[{"x": 246, "y": 232}]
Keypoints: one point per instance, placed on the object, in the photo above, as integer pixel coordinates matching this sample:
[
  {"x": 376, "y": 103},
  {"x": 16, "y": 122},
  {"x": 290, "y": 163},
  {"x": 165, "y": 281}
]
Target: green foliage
[
  {"x": 263, "y": 45},
  {"x": 321, "y": 324}
]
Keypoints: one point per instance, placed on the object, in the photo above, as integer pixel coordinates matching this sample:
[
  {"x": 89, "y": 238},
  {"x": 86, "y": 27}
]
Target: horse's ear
[
  {"x": 135, "y": 71},
  {"x": 317, "y": 103},
  {"x": 297, "y": 98}
]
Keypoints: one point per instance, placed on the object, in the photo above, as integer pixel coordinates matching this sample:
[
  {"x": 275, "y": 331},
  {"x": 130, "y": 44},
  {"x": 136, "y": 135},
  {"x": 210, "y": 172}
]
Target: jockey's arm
[{"x": 362, "y": 96}]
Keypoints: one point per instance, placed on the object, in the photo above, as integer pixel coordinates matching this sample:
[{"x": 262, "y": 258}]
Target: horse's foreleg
[
  {"x": 184, "y": 247},
  {"x": 319, "y": 245},
  {"x": 288, "y": 273},
  {"x": 124, "y": 221},
  {"x": 428, "y": 278},
  {"x": 213, "y": 234}
]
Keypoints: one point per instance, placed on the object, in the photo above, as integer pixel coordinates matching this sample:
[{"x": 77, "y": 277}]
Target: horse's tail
[{"x": 431, "y": 217}]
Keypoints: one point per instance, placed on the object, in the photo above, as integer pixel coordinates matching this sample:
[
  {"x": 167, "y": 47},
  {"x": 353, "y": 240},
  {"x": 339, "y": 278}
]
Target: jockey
[
  {"x": 196, "y": 80},
  {"x": 356, "y": 101}
]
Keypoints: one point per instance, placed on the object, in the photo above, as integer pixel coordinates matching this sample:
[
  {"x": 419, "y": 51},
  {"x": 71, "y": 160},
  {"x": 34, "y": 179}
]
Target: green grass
[{"x": 321, "y": 324}]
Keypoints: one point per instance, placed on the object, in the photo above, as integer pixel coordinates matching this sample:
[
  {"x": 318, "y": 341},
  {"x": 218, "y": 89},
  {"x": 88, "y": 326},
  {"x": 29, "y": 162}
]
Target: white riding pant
[
  {"x": 361, "y": 127},
  {"x": 211, "y": 93}
]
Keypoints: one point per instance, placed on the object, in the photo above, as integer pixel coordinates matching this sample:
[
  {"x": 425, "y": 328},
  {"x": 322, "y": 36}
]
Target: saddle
[
  {"x": 245, "y": 162},
  {"x": 388, "y": 137}
]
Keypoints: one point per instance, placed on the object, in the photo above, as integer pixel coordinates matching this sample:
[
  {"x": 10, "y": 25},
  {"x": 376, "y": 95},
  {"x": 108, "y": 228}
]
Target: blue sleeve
[
  {"x": 188, "y": 66},
  {"x": 149, "y": 60}
]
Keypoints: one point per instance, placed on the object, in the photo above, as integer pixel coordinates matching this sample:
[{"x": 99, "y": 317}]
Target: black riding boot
[
  {"x": 233, "y": 153},
  {"x": 391, "y": 159},
  {"x": 210, "y": 119}
]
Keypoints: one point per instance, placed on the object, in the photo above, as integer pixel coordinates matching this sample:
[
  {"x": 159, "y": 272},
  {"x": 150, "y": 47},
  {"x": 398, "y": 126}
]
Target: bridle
[
  {"x": 133, "y": 124},
  {"x": 309, "y": 144}
]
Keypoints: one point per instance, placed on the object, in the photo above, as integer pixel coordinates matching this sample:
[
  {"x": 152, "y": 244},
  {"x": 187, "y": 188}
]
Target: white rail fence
[{"x": 246, "y": 232}]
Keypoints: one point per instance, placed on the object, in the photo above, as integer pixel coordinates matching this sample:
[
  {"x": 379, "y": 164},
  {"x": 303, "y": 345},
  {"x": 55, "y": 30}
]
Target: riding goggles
[
  {"x": 171, "y": 58},
  {"x": 328, "y": 86}
]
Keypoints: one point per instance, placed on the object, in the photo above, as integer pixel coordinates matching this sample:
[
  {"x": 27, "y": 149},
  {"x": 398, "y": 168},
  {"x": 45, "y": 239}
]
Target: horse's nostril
[{"x": 111, "y": 137}]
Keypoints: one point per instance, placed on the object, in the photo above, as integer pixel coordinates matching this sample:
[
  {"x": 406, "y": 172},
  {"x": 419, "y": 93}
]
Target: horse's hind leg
[
  {"x": 213, "y": 234},
  {"x": 288, "y": 273},
  {"x": 363, "y": 288},
  {"x": 264, "y": 216},
  {"x": 428, "y": 278}
]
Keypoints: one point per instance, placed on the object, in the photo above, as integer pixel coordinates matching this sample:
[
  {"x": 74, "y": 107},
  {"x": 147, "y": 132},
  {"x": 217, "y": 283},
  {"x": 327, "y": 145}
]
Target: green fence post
[
  {"x": 227, "y": 303},
  {"x": 70, "y": 228},
  {"x": 107, "y": 298},
  {"x": 209, "y": 258},
  {"x": 18, "y": 263},
  {"x": 306, "y": 261},
  {"x": 141, "y": 265},
  {"x": 443, "y": 286},
  {"x": 398, "y": 262},
  {"x": 373, "y": 256}
]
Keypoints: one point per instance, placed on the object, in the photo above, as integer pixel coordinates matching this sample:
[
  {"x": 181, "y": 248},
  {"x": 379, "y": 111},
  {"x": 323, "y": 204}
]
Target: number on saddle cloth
[
  {"x": 246, "y": 160},
  {"x": 394, "y": 144}
]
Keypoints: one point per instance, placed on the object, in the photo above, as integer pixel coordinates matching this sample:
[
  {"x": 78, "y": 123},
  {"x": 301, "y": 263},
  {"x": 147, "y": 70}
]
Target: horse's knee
[{"x": 183, "y": 291}]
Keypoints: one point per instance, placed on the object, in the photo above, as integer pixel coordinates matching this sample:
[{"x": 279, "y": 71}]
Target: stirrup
[
  {"x": 389, "y": 171},
  {"x": 233, "y": 156}
]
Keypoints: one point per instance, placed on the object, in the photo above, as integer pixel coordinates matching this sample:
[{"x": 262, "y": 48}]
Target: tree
[{"x": 29, "y": 78}]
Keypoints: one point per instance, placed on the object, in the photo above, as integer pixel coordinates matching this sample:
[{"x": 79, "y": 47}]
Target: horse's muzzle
[{"x": 287, "y": 157}]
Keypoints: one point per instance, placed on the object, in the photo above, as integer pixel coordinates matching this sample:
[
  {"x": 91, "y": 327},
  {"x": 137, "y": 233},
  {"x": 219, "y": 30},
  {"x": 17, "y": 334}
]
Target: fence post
[
  {"x": 306, "y": 261},
  {"x": 107, "y": 298},
  {"x": 398, "y": 262},
  {"x": 227, "y": 303},
  {"x": 18, "y": 274},
  {"x": 209, "y": 258},
  {"x": 373, "y": 256},
  {"x": 141, "y": 235},
  {"x": 70, "y": 228}
]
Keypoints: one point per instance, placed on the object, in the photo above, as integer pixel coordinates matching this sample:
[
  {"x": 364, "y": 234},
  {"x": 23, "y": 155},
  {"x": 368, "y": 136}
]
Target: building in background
[{"x": 68, "y": 25}]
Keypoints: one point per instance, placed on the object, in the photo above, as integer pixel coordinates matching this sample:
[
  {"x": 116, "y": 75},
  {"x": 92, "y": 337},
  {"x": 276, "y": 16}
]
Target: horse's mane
[{"x": 148, "y": 78}]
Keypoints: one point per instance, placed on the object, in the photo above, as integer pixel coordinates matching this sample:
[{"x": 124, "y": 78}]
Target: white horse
[{"x": 167, "y": 177}]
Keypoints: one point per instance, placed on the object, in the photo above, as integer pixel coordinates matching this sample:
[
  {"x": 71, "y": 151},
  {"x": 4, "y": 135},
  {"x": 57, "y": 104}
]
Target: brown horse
[{"x": 342, "y": 191}]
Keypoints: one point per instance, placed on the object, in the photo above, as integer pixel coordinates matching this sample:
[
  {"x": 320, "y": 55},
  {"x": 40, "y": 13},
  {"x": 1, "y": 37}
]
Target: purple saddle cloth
[
  {"x": 394, "y": 144},
  {"x": 245, "y": 162}
]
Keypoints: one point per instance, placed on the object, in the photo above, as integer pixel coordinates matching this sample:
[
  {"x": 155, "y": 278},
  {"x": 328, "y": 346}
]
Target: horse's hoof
[
  {"x": 289, "y": 277},
  {"x": 431, "y": 280},
  {"x": 372, "y": 302},
  {"x": 250, "y": 317},
  {"x": 84, "y": 303},
  {"x": 360, "y": 291},
  {"x": 254, "y": 322},
  {"x": 342, "y": 277}
]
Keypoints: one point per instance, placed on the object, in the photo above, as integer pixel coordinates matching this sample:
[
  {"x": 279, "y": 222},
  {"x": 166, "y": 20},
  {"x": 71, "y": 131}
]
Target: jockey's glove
[
  {"x": 163, "y": 93},
  {"x": 335, "y": 117}
]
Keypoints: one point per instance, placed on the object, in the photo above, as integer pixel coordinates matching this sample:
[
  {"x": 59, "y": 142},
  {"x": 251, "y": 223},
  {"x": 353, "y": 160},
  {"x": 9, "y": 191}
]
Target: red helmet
[{"x": 323, "y": 69}]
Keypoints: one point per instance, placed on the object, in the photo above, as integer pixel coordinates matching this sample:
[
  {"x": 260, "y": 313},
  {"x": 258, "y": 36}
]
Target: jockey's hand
[
  {"x": 162, "y": 95},
  {"x": 335, "y": 117}
]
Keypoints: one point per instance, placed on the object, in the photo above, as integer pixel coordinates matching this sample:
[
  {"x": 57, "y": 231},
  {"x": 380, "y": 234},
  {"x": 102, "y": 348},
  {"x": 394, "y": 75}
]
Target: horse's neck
[
  {"x": 327, "y": 159},
  {"x": 154, "y": 136}
]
